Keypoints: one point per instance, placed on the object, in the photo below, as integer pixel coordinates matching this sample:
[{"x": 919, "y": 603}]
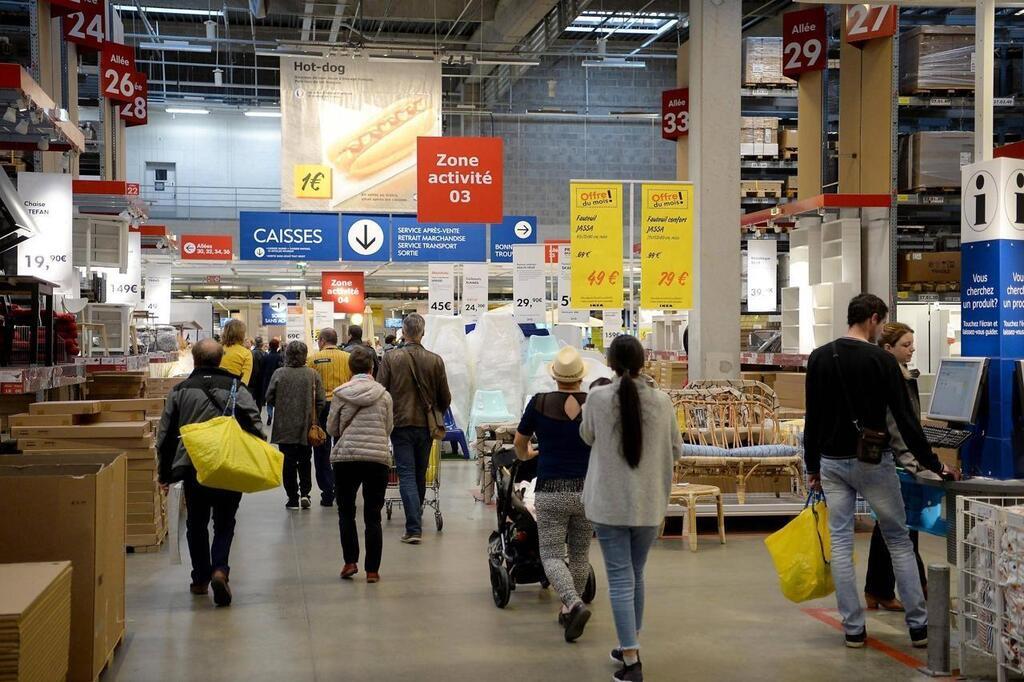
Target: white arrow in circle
[
  {"x": 523, "y": 229},
  {"x": 366, "y": 237}
]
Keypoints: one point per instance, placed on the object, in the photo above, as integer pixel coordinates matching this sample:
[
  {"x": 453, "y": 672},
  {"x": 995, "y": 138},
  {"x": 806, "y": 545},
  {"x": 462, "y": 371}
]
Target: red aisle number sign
[
  {"x": 803, "y": 41},
  {"x": 117, "y": 72},
  {"x": 675, "y": 113},
  {"x": 459, "y": 179},
  {"x": 86, "y": 26},
  {"x": 60, "y": 8},
  {"x": 136, "y": 112},
  {"x": 865, "y": 22}
]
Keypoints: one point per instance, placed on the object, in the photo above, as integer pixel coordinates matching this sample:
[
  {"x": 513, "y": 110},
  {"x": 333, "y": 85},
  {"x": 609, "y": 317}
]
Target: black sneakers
[
  {"x": 575, "y": 621},
  {"x": 630, "y": 673},
  {"x": 919, "y": 637},
  {"x": 305, "y": 502},
  {"x": 857, "y": 641},
  {"x": 616, "y": 655},
  {"x": 221, "y": 590},
  {"x": 411, "y": 539},
  {"x": 291, "y": 505}
]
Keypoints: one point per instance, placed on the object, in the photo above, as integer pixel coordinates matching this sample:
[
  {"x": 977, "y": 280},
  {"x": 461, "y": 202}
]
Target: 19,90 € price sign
[{"x": 39, "y": 262}]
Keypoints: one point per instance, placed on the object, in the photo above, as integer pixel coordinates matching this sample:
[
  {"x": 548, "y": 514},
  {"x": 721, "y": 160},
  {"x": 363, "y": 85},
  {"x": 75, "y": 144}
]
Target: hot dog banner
[{"x": 349, "y": 129}]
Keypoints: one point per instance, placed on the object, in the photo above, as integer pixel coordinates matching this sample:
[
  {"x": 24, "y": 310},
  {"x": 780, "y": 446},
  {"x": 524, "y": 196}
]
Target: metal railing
[{"x": 186, "y": 202}]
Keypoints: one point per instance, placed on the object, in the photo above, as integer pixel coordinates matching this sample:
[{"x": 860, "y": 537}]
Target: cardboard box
[
  {"x": 932, "y": 159},
  {"x": 86, "y": 431},
  {"x": 65, "y": 407},
  {"x": 93, "y": 444},
  {"x": 936, "y": 58},
  {"x": 941, "y": 266},
  {"x": 71, "y": 507},
  {"x": 107, "y": 417},
  {"x": 790, "y": 389},
  {"x": 762, "y": 62},
  {"x": 149, "y": 405},
  {"x": 35, "y": 620},
  {"x": 28, "y": 419}
]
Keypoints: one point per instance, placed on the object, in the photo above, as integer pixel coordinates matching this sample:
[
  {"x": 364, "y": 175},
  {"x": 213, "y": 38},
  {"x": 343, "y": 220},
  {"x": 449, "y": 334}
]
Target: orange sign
[
  {"x": 459, "y": 179},
  {"x": 345, "y": 289},
  {"x": 865, "y": 22}
]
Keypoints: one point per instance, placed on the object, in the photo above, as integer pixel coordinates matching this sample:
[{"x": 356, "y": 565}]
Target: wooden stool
[{"x": 687, "y": 496}]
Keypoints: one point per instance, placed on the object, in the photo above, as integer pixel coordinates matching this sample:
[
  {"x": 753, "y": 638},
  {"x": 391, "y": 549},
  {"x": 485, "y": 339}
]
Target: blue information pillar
[{"x": 992, "y": 301}]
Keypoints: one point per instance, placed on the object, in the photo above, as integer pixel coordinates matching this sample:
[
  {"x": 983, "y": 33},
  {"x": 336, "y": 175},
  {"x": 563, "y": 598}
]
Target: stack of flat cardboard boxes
[
  {"x": 762, "y": 62},
  {"x": 35, "y": 621},
  {"x": 159, "y": 387},
  {"x": 937, "y": 58},
  {"x": 670, "y": 374},
  {"x": 114, "y": 385},
  {"x": 759, "y": 136},
  {"x": 127, "y": 426}
]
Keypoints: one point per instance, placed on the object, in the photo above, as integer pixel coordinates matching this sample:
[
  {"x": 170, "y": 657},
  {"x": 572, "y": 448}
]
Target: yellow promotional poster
[
  {"x": 666, "y": 246},
  {"x": 595, "y": 210}
]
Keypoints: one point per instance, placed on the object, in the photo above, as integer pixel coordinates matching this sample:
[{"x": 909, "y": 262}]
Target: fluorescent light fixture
[
  {"x": 497, "y": 61},
  {"x": 175, "y": 46},
  {"x": 613, "y": 63},
  {"x": 399, "y": 58},
  {"x": 171, "y": 10},
  {"x": 297, "y": 54},
  {"x": 263, "y": 114},
  {"x": 186, "y": 110}
]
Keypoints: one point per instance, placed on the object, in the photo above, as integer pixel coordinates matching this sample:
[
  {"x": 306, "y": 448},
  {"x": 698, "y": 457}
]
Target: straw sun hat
[{"x": 567, "y": 366}]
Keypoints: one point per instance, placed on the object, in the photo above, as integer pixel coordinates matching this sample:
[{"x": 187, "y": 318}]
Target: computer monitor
[{"x": 957, "y": 390}]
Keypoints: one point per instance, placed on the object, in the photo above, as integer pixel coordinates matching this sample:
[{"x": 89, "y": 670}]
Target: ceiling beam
[{"x": 393, "y": 10}]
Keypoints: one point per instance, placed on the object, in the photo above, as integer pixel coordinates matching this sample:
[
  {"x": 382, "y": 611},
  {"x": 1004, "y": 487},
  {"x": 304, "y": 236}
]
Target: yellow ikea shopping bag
[
  {"x": 227, "y": 457},
  {"x": 801, "y": 551}
]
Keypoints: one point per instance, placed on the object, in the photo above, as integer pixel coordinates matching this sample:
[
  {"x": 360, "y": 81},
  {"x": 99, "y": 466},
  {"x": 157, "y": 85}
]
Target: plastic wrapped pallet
[
  {"x": 932, "y": 159},
  {"x": 759, "y": 136},
  {"x": 762, "y": 62},
  {"x": 499, "y": 358},
  {"x": 937, "y": 58},
  {"x": 446, "y": 336}
]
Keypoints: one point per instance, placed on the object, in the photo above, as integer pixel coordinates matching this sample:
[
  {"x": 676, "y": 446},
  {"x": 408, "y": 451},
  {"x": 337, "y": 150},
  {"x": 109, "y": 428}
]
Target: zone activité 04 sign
[{"x": 117, "y": 72}]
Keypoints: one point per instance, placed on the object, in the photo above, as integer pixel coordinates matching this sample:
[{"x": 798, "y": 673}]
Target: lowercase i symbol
[
  {"x": 1019, "y": 195},
  {"x": 979, "y": 201}
]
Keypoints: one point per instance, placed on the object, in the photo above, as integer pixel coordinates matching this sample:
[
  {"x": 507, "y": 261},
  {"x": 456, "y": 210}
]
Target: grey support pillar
[{"x": 715, "y": 171}]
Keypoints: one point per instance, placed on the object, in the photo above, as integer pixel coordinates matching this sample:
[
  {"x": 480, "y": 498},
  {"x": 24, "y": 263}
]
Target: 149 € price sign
[
  {"x": 85, "y": 27},
  {"x": 675, "y": 113},
  {"x": 136, "y": 112},
  {"x": 804, "y": 38},
  {"x": 459, "y": 179},
  {"x": 117, "y": 72}
]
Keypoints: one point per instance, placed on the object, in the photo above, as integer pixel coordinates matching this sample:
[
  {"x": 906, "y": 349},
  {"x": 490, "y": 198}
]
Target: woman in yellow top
[{"x": 237, "y": 358}]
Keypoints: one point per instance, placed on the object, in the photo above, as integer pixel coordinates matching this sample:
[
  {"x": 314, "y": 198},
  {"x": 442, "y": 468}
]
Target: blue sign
[
  {"x": 513, "y": 230},
  {"x": 992, "y": 299},
  {"x": 288, "y": 236},
  {"x": 414, "y": 242},
  {"x": 365, "y": 237},
  {"x": 275, "y": 307}
]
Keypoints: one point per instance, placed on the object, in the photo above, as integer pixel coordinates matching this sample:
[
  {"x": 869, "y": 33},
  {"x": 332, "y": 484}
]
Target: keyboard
[{"x": 943, "y": 437}]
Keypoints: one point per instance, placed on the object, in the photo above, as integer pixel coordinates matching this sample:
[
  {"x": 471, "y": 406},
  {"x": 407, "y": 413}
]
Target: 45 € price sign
[
  {"x": 666, "y": 246},
  {"x": 441, "y": 288},
  {"x": 595, "y": 210},
  {"x": 804, "y": 39}
]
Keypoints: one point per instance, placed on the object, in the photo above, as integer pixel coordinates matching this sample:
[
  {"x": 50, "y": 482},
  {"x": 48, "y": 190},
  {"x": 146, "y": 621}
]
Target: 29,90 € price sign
[{"x": 595, "y": 210}]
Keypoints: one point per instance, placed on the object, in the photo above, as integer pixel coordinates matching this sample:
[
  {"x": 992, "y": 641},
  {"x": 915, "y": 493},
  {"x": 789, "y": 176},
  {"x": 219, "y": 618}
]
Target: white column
[
  {"x": 984, "y": 62},
  {"x": 714, "y": 336}
]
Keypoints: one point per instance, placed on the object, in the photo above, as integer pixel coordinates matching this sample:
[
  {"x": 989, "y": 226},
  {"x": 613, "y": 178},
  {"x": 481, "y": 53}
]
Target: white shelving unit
[
  {"x": 805, "y": 253},
  {"x": 116, "y": 320},
  {"x": 840, "y": 251},
  {"x": 828, "y": 305},
  {"x": 797, "y": 320},
  {"x": 100, "y": 242}
]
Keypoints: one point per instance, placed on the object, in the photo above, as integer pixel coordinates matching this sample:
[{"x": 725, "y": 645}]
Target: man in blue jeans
[
  {"x": 417, "y": 382},
  {"x": 851, "y": 384}
]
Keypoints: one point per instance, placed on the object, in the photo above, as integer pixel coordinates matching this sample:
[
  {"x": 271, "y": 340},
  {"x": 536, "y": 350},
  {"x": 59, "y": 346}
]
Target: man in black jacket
[
  {"x": 207, "y": 393},
  {"x": 851, "y": 384},
  {"x": 355, "y": 338}
]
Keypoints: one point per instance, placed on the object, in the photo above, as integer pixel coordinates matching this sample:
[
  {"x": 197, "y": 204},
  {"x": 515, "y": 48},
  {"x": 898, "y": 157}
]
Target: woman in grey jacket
[
  {"x": 361, "y": 419},
  {"x": 295, "y": 391},
  {"x": 635, "y": 440}
]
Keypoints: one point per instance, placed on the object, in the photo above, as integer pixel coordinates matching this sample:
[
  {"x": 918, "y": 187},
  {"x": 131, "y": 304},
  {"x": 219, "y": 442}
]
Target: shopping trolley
[{"x": 393, "y": 498}]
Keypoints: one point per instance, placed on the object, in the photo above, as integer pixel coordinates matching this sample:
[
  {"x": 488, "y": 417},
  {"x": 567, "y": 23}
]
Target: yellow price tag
[{"x": 312, "y": 181}]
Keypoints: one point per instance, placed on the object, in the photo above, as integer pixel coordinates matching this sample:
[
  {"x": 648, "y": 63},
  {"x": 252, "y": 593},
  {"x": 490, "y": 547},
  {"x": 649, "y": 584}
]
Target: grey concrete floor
[{"x": 713, "y": 615}]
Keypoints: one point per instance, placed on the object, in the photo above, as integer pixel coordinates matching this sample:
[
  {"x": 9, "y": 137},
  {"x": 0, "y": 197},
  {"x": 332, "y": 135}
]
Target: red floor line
[{"x": 895, "y": 654}]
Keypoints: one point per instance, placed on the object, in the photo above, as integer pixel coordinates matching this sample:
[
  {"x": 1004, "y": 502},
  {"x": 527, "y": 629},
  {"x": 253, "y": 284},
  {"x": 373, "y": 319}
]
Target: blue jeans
[
  {"x": 842, "y": 479},
  {"x": 412, "y": 455},
  {"x": 625, "y": 549}
]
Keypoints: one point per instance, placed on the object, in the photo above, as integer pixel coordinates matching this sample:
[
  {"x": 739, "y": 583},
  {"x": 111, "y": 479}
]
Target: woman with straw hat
[{"x": 561, "y": 470}]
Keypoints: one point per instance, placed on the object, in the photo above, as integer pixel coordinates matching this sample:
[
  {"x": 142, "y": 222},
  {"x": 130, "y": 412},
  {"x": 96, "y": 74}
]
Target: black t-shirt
[
  {"x": 563, "y": 454},
  {"x": 874, "y": 384}
]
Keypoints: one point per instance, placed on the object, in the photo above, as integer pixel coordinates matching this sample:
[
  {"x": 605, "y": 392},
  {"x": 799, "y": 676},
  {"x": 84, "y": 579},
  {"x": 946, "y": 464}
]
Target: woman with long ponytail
[{"x": 635, "y": 440}]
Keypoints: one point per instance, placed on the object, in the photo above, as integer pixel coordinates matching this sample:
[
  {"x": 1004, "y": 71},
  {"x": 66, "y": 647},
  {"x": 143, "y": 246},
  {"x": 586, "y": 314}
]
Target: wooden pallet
[
  {"x": 765, "y": 193},
  {"x": 788, "y": 154},
  {"x": 110, "y": 656},
  {"x": 932, "y": 190},
  {"x": 147, "y": 549}
]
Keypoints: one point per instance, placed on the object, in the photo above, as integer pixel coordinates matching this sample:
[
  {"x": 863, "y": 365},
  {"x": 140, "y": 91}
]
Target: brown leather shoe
[
  {"x": 886, "y": 604},
  {"x": 200, "y": 590},
  {"x": 221, "y": 590},
  {"x": 349, "y": 570},
  {"x": 372, "y": 577}
]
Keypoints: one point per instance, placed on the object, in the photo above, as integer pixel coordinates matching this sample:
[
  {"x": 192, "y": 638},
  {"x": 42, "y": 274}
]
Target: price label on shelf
[
  {"x": 136, "y": 112},
  {"x": 867, "y": 22},
  {"x": 117, "y": 72},
  {"x": 475, "y": 280},
  {"x": 86, "y": 26},
  {"x": 528, "y": 283},
  {"x": 47, "y": 198},
  {"x": 441, "y": 288},
  {"x": 804, "y": 41},
  {"x": 612, "y": 326},
  {"x": 675, "y": 113}
]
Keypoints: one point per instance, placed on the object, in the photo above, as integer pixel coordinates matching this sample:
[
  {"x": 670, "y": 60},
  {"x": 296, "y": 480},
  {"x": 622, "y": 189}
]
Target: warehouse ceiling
[{"x": 224, "y": 52}]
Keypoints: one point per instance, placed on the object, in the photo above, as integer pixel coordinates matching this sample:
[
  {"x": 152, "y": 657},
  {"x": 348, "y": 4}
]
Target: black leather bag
[{"x": 871, "y": 444}]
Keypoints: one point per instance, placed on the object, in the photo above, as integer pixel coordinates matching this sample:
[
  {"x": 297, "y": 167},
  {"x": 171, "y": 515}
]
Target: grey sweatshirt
[
  {"x": 360, "y": 420},
  {"x": 615, "y": 494}
]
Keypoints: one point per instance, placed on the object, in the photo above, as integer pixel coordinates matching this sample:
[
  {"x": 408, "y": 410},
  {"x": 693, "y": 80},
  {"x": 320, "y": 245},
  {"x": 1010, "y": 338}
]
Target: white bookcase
[
  {"x": 829, "y": 301},
  {"x": 840, "y": 251},
  {"x": 100, "y": 242},
  {"x": 797, "y": 320},
  {"x": 805, "y": 253}
]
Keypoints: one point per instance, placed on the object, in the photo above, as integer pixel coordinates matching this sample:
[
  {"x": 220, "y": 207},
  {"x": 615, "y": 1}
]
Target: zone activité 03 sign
[{"x": 459, "y": 179}]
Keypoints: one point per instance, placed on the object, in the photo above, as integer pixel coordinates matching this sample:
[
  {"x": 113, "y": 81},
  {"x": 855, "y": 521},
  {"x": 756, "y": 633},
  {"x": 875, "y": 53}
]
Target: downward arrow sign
[{"x": 365, "y": 241}]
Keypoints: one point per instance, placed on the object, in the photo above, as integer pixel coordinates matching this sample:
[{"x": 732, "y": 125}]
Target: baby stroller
[{"x": 514, "y": 549}]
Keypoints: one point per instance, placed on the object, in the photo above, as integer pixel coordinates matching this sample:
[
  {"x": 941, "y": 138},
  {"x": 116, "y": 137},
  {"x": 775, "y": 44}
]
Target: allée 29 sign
[{"x": 804, "y": 38}]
